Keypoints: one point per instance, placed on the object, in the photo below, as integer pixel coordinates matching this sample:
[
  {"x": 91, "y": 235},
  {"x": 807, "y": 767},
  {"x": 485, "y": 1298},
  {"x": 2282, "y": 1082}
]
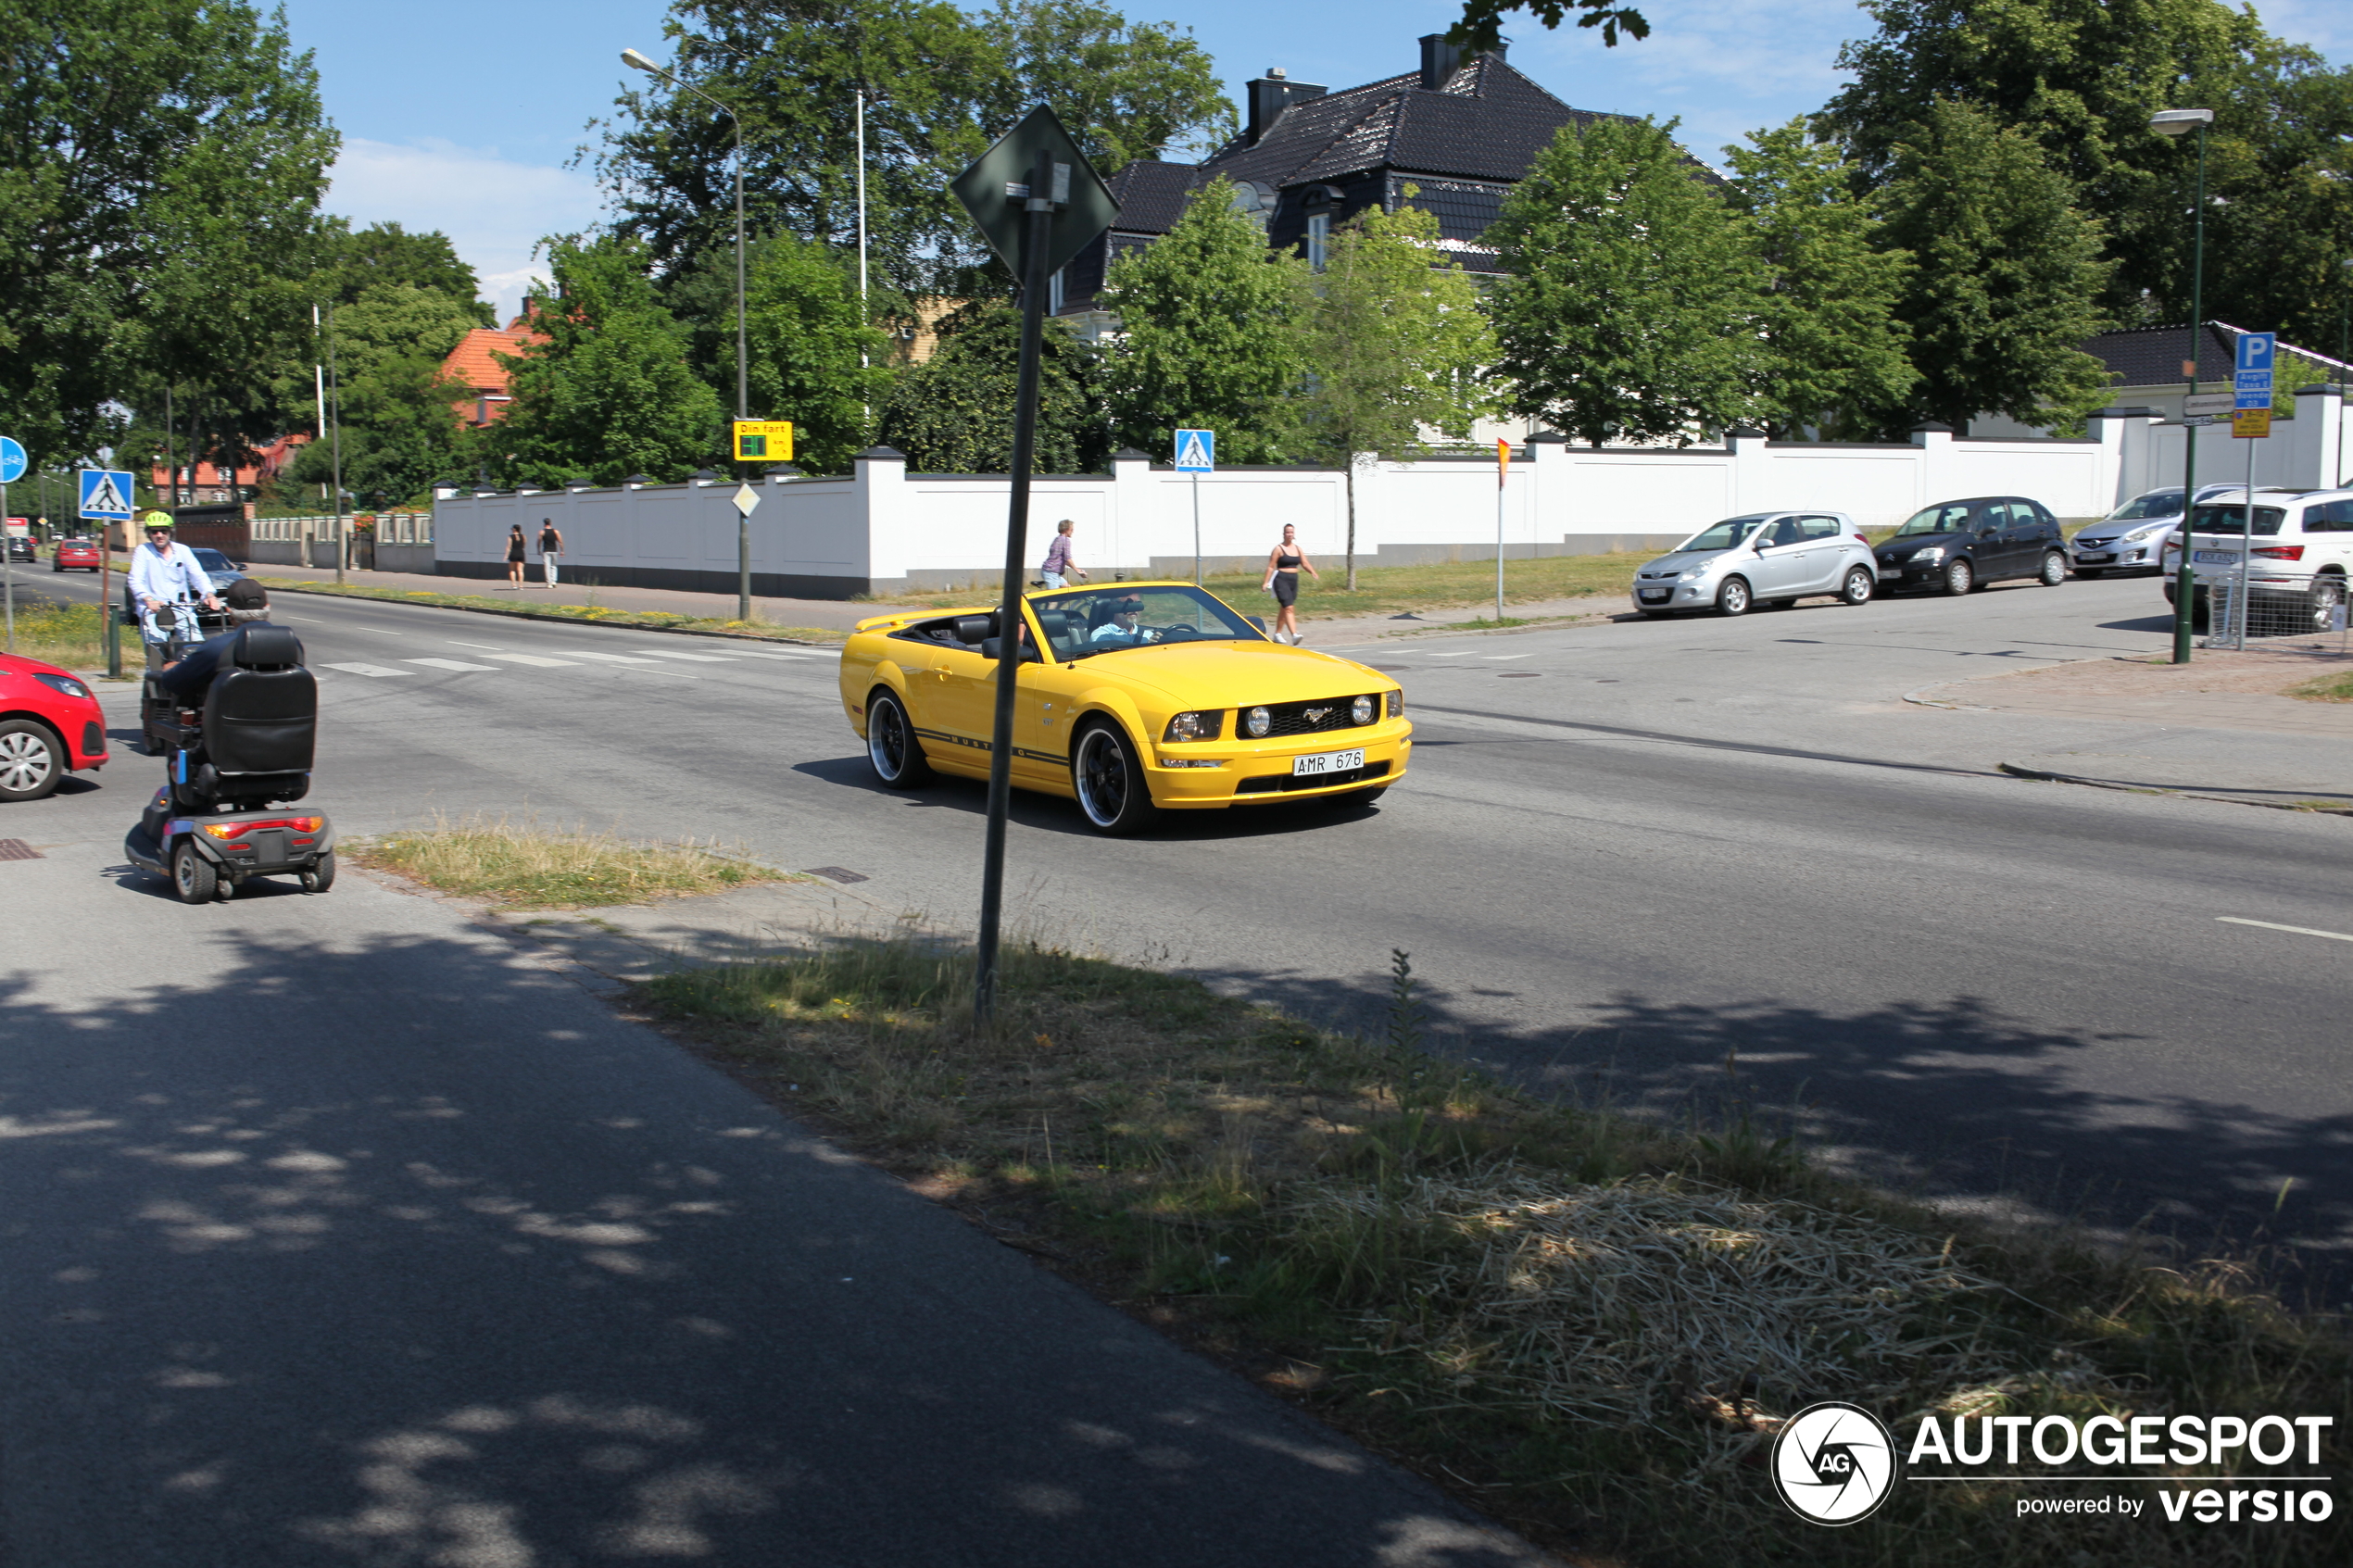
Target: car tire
[
  {"x": 2327, "y": 593},
  {"x": 2090, "y": 574},
  {"x": 892, "y": 750},
  {"x": 32, "y": 761},
  {"x": 320, "y": 875},
  {"x": 1733, "y": 598},
  {"x": 1961, "y": 578},
  {"x": 193, "y": 876},
  {"x": 1107, "y": 778},
  {"x": 2053, "y": 570},
  {"x": 1857, "y": 587}
]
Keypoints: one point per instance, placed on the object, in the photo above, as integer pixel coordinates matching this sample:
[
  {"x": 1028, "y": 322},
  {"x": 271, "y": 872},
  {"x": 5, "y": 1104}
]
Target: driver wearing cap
[{"x": 191, "y": 675}]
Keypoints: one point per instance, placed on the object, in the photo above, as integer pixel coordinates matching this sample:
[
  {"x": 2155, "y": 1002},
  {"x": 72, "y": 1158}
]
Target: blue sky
[{"x": 461, "y": 115}]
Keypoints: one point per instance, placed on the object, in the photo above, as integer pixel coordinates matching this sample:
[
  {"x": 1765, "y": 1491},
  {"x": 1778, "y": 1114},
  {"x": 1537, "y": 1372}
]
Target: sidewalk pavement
[
  {"x": 2219, "y": 727},
  {"x": 354, "y": 1229}
]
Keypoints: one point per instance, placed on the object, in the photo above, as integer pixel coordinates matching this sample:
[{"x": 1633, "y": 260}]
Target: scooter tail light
[{"x": 238, "y": 830}]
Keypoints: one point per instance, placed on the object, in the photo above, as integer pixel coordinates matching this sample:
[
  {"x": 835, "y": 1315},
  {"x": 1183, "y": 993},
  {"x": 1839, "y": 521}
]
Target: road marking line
[
  {"x": 1501, "y": 656},
  {"x": 691, "y": 658},
  {"x": 2298, "y": 930},
  {"x": 772, "y": 653},
  {"x": 608, "y": 657},
  {"x": 450, "y": 664},
  {"x": 382, "y": 633},
  {"x": 1458, "y": 653},
  {"x": 486, "y": 648},
  {"x": 366, "y": 670},
  {"x": 534, "y": 660}
]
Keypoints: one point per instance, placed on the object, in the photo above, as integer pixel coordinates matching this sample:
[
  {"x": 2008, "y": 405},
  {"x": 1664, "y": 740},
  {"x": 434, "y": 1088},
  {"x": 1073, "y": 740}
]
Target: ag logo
[{"x": 1835, "y": 1463}]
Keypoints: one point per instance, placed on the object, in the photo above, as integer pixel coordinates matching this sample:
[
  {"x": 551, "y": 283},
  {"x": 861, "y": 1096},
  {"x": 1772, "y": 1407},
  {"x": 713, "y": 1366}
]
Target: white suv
[{"x": 2298, "y": 557}]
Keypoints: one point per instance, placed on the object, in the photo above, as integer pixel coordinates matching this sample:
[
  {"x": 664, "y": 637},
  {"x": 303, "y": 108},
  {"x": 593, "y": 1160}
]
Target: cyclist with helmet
[{"x": 165, "y": 577}]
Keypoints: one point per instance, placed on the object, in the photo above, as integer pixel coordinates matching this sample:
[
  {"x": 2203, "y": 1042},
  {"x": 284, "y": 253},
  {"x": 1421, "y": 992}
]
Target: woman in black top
[
  {"x": 1283, "y": 564},
  {"x": 514, "y": 553}
]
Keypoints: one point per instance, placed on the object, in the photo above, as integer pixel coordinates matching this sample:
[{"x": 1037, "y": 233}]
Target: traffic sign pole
[
  {"x": 10, "y": 551},
  {"x": 1196, "y": 530}
]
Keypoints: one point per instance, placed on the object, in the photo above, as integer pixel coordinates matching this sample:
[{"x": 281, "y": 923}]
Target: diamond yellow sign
[
  {"x": 764, "y": 441},
  {"x": 2251, "y": 423}
]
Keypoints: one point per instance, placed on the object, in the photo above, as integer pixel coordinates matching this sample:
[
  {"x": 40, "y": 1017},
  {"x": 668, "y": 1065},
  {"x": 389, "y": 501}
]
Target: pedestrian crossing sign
[
  {"x": 1196, "y": 451},
  {"x": 767, "y": 441},
  {"x": 105, "y": 494}
]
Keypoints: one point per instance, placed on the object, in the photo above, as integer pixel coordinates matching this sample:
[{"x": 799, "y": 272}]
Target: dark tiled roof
[
  {"x": 1464, "y": 210},
  {"x": 1152, "y": 195},
  {"x": 2153, "y": 356}
]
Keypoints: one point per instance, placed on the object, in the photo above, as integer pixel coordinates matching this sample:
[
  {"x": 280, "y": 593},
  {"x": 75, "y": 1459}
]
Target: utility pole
[{"x": 335, "y": 440}]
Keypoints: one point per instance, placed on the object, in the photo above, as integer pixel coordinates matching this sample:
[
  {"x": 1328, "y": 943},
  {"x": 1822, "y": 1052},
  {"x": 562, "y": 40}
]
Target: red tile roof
[{"x": 473, "y": 360}]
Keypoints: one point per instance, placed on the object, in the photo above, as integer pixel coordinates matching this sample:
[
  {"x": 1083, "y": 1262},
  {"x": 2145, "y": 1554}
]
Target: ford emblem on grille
[{"x": 1315, "y": 715}]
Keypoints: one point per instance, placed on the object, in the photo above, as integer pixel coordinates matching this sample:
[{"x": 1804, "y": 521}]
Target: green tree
[
  {"x": 607, "y": 391},
  {"x": 954, "y": 412},
  {"x": 399, "y": 423},
  {"x": 1395, "y": 341},
  {"x": 161, "y": 163},
  {"x": 2005, "y": 278},
  {"x": 1826, "y": 295},
  {"x": 941, "y": 86},
  {"x": 814, "y": 359},
  {"x": 2079, "y": 79},
  {"x": 1209, "y": 335},
  {"x": 354, "y": 262},
  {"x": 1628, "y": 307}
]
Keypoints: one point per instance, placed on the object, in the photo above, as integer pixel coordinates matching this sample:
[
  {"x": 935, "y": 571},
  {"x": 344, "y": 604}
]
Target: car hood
[
  {"x": 1233, "y": 674},
  {"x": 1693, "y": 560},
  {"x": 18, "y": 664},
  {"x": 1896, "y": 549}
]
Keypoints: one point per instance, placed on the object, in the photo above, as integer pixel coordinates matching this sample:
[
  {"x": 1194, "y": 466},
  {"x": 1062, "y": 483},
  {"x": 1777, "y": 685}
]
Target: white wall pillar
[
  {"x": 1936, "y": 467},
  {"x": 1750, "y": 462},
  {"x": 881, "y": 500}
]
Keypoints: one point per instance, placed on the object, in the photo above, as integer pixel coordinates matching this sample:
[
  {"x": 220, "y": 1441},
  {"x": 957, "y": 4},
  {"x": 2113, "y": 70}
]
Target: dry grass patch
[
  {"x": 1588, "y": 1325},
  {"x": 527, "y": 866}
]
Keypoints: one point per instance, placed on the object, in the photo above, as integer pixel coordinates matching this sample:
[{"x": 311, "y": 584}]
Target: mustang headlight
[
  {"x": 1361, "y": 711},
  {"x": 1256, "y": 722},
  {"x": 1195, "y": 726},
  {"x": 1397, "y": 703}
]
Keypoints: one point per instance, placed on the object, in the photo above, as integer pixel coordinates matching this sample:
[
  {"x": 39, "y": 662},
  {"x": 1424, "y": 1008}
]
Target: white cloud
[{"x": 494, "y": 210}]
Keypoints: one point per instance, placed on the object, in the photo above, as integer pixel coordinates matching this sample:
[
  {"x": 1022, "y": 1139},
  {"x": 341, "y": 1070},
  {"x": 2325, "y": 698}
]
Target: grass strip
[
  {"x": 526, "y": 866},
  {"x": 70, "y": 635},
  {"x": 1586, "y": 1324},
  {"x": 590, "y": 615},
  {"x": 2327, "y": 688}
]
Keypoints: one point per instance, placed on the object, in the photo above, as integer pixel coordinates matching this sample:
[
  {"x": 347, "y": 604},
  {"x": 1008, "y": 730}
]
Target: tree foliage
[
  {"x": 2080, "y": 79},
  {"x": 1394, "y": 344},
  {"x": 954, "y": 412},
  {"x": 1209, "y": 315},
  {"x": 1629, "y": 303},
  {"x": 1833, "y": 355},
  {"x": 941, "y": 86},
  {"x": 161, "y": 163},
  {"x": 807, "y": 336},
  {"x": 2005, "y": 273},
  {"x": 399, "y": 425},
  {"x": 607, "y": 391},
  {"x": 354, "y": 262}
]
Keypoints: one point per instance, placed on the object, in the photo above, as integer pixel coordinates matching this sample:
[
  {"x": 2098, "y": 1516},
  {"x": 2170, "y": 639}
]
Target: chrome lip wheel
[
  {"x": 2053, "y": 570},
  {"x": 1103, "y": 777},
  {"x": 1959, "y": 577},
  {"x": 887, "y": 741},
  {"x": 26, "y": 761}
]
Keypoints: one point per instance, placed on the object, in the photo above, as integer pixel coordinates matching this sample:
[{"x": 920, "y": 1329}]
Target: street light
[
  {"x": 2179, "y": 122},
  {"x": 636, "y": 61}
]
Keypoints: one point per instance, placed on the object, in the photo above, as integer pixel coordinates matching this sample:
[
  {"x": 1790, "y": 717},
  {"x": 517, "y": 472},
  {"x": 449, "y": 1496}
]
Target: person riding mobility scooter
[{"x": 242, "y": 723}]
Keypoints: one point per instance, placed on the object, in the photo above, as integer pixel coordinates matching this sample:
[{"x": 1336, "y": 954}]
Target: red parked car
[
  {"x": 75, "y": 555},
  {"x": 49, "y": 726}
]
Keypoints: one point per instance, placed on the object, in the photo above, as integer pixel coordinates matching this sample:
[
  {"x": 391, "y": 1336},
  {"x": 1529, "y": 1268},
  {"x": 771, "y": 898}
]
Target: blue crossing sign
[
  {"x": 105, "y": 494},
  {"x": 1196, "y": 451},
  {"x": 2251, "y": 368},
  {"x": 12, "y": 460}
]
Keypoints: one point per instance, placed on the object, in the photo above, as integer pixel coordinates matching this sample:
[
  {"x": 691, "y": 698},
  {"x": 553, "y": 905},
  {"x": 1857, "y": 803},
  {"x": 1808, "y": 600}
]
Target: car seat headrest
[{"x": 265, "y": 647}]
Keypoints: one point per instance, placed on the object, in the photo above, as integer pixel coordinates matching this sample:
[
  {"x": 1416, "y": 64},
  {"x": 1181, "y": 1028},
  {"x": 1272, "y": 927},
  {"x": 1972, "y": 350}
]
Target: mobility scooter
[{"x": 231, "y": 767}]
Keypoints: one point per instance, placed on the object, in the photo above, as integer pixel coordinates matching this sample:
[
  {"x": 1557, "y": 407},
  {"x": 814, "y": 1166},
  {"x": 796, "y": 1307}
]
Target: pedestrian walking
[
  {"x": 1059, "y": 567},
  {"x": 551, "y": 545},
  {"x": 1284, "y": 563},
  {"x": 514, "y": 554}
]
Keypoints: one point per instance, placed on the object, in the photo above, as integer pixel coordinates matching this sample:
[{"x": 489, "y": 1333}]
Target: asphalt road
[{"x": 1626, "y": 857}]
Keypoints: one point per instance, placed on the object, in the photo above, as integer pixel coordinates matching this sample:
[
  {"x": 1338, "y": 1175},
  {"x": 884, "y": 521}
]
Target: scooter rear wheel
[{"x": 193, "y": 876}]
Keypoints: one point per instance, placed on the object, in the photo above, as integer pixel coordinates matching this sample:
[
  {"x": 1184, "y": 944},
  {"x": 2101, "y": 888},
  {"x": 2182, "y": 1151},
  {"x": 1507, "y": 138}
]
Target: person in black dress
[
  {"x": 1283, "y": 564},
  {"x": 515, "y": 542}
]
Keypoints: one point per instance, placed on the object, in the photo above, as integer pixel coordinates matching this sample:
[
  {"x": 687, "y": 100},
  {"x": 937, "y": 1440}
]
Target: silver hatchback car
[{"x": 1772, "y": 558}]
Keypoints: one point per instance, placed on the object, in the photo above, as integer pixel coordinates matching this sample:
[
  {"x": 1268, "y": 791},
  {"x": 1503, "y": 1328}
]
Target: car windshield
[
  {"x": 1951, "y": 517},
  {"x": 2228, "y": 518},
  {"x": 213, "y": 560},
  {"x": 2156, "y": 504},
  {"x": 1086, "y": 621},
  {"x": 1724, "y": 535}
]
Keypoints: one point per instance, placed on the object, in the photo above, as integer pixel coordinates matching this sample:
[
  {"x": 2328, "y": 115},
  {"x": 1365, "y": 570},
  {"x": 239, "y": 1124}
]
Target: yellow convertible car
[{"x": 1131, "y": 698}]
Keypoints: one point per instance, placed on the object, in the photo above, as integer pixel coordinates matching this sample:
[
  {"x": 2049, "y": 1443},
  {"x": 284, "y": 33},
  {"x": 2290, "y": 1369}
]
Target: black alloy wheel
[
  {"x": 1733, "y": 598},
  {"x": 32, "y": 761},
  {"x": 898, "y": 757},
  {"x": 1861, "y": 583},
  {"x": 1109, "y": 781},
  {"x": 2053, "y": 570},
  {"x": 1960, "y": 577}
]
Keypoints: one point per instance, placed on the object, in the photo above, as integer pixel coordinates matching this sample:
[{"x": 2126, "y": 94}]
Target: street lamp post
[
  {"x": 2343, "y": 355},
  {"x": 636, "y": 61},
  {"x": 2177, "y": 123}
]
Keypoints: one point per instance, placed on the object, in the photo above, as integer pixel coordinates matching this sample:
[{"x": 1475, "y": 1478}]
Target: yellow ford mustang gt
[{"x": 1131, "y": 698}]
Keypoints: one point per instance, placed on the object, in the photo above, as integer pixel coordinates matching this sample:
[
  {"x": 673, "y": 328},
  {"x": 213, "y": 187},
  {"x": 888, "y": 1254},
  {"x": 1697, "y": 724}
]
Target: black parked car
[{"x": 1954, "y": 546}]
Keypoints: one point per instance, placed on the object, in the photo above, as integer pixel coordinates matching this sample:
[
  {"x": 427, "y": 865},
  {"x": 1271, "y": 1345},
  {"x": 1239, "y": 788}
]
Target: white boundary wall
[{"x": 883, "y": 529}]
